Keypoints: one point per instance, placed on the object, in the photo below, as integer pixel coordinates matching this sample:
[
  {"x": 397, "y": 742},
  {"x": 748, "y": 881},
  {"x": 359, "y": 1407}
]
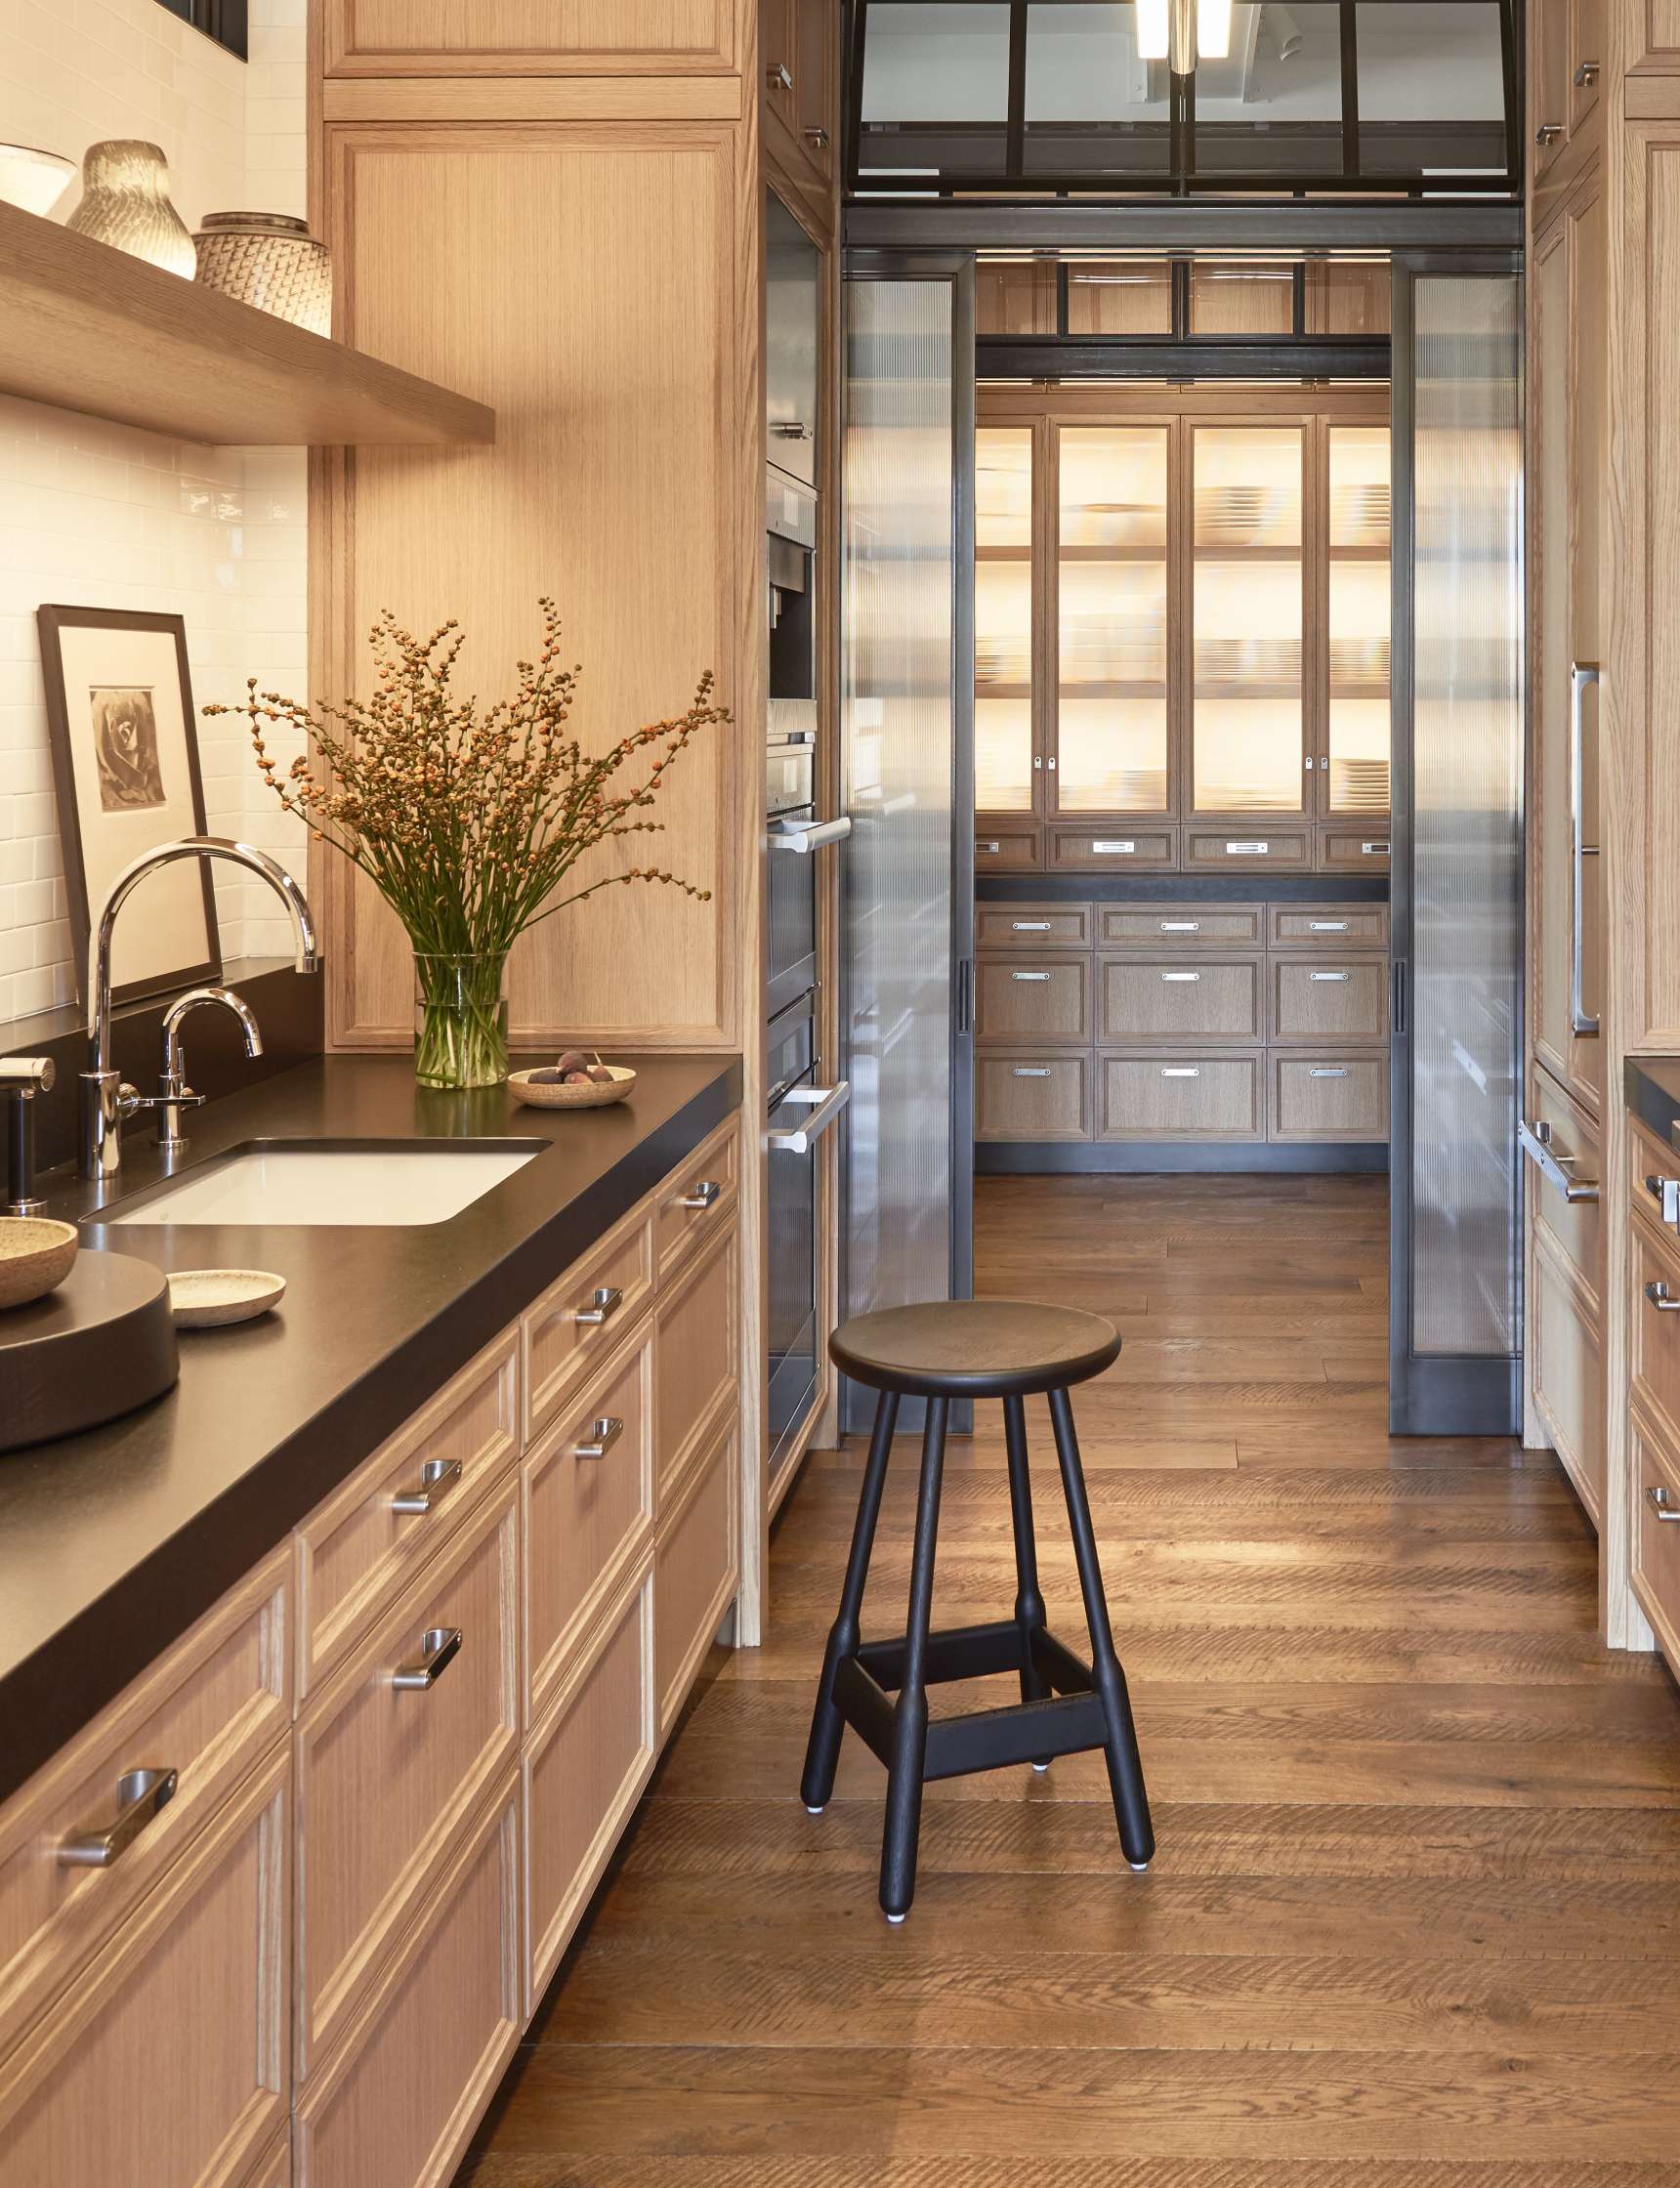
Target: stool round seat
[{"x": 975, "y": 1348}]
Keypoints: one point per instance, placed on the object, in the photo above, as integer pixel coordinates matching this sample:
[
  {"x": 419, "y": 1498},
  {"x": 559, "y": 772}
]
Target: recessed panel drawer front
[
  {"x": 397, "y": 1748},
  {"x": 1009, "y": 849},
  {"x": 1182, "y": 1097},
  {"x": 1289, "y": 850},
  {"x": 1565, "y": 1356},
  {"x": 698, "y": 1357},
  {"x": 1337, "y": 928},
  {"x": 1176, "y": 927},
  {"x": 1121, "y": 849},
  {"x": 1318, "y": 1097},
  {"x": 1652, "y": 1178},
  {"x": 1313, "y": 1002},
  {"x": 697, "y": 1199},
  {"x": 588, "y": 1512},
  {"x": 1031, "y": 927},
  {"x": 1048, "y": 999},
  {"x": 1572, "y": 1140},
  {"x": 1021, "y": 1096},
  {"x": 1354, "y": 850},
  {"x": 695, "y": 1570},
  {"x": 1655, "y": 1337},
  {"x": 583, "y": 1315},
  {"x": 1656, "y": 1540},
  {"x": 1216, "y": 1001}
]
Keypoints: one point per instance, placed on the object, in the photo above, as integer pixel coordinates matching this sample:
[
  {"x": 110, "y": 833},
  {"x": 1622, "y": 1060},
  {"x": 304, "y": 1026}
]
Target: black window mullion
[
  {"x": 1014, "y": 137},
  {"x": 1350, "y": 88}
]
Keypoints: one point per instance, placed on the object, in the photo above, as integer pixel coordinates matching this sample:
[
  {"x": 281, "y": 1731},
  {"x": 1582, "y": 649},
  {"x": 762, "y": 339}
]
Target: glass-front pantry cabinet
[{"x": 1181, "y": 630}]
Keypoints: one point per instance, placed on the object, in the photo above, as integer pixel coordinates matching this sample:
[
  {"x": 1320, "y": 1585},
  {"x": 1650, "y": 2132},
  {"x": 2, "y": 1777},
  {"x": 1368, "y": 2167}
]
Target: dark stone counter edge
[
  {"x": 1651, "y": 1089},
  {"x": 48, "y": 1697}
]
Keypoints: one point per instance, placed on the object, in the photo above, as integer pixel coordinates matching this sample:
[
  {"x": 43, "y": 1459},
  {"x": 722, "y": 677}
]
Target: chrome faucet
[
  {"x": 174, "y": 1095},
  {"x": 105, "y": 1099}
]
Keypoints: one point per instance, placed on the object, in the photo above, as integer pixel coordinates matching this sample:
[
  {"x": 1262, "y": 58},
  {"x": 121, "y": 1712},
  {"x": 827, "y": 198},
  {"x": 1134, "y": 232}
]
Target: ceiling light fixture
[
  {"x": 1214, "y": 29},
  {"x": 1182, "y": 31},
  {"x": 1151, "y": 26}
]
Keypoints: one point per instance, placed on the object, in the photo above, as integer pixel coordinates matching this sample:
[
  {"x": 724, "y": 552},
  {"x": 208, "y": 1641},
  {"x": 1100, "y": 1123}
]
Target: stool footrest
[{"x": 1066, "y": 1722}]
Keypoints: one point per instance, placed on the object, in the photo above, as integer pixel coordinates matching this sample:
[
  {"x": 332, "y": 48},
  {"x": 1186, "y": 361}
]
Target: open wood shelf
[{"x": 90, "y": 329}]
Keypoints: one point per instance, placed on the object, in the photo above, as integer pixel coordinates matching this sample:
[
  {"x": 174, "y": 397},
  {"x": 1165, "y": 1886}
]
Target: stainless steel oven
[{"x": 801, "y": 1111}]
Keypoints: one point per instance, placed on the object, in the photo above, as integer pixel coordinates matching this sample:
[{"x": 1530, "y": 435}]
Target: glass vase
[{"x": 460, "y": 1018}]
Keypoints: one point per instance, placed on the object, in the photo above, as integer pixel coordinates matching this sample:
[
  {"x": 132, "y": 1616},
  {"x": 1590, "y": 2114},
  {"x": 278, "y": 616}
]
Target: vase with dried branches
[{"x": 468, "y": 818}]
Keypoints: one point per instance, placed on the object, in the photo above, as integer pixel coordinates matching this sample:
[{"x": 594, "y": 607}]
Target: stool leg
[
  {"x": 911, "y": 1714},
  {"x": 823, "y": 1752},
  {"x": 1029, "y": 1603},
  {"x": 1125, "y": 1766}
]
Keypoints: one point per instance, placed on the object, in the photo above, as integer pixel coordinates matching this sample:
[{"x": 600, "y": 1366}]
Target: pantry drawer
[
  {"x": 1217, "y": 1001},
  {"x": 1656, "y": 1540},
  {"x": 581, "y": 1317},
  {"x": 1653, "y": 1180},
  {"x": 397, "y": 1750},
  {"x": 697, "y": 1357},
  {"x": 1180, "y": 926},
  {"x": 586, "y": 1763},
  {"x": 1043, "y": 999},
  {"x": 1318, "y": 1097},
  {"x": 1197, "y": 1097},
  {"x": 1569, "y": 1139},
  {"x": 1033, "y": 927},
  {"x": 1122, "y": 847},
  {"x": 1013, "y": 848},
  {"x": 1566, "y": 1370},
  {"x": 588, "y": 1512},
  {"x": 1287, "y": 850},
  {"x": 396, "y": 2105},
  {"x": 694, "y": 1571},
  {"x": 168, "y": 2060},
  {"x": 1655, "y": 1337},
  {"x": 205, "y": 1711},
  {"x": 1355, "y": 850},
  {"x": 1316, "y": 1001},
  {"x": 1332, "y": 927},
  {"x": 1045, "y": 1097},
  {"x": 697, "y": 1199},
  {"x": 357, "y": 1550}
]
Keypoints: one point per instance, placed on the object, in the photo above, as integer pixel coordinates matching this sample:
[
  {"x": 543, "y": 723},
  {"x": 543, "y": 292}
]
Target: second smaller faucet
[{"x": 174, "y": 1095}]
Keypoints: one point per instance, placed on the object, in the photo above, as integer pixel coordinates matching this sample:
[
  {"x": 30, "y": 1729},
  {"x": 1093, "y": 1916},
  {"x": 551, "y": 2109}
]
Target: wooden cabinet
[
  {"x": 1655, "y": 1536},
  {"x": 1214, "y": 1001},
  {"x": 1018, "y": 999},
  {"x": 582, "y": 1315},
  {"x": 1033, "y": 927},
  {"x": 699, "y": 1352},
  {"x": 1181, "y": 927},
  {"x": 1006, "y": 849},
  {"x": 694, "y": 1567},
  {"x": 1355, "y": 850},
  {"x": 800, "y": 53},
  {"x": 1326, "y": 1097},
  {"x": 698, "y": 1203},
  {"x": 534, "y": 37},
  {"x": 1319, "y": 1000},
  {"x": 1332, "y": 927},
  {"x": 1033, "y": 1096},
  {"x": 1563, "y": 1337},
  {"x": 1242, "y": 851},
  {"x": 1111, "y": 850},
  {"x": 1182, "y": 1097}
]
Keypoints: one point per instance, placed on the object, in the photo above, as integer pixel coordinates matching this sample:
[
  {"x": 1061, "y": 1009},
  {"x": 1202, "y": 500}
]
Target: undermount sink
[{"x": 314, "y": 1182}]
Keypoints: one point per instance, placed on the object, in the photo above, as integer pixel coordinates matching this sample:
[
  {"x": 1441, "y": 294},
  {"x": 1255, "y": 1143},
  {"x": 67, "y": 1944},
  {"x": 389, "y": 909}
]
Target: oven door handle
[
  {"x": 825, "y": 1104},
  {"x": 811, "y": 837}
]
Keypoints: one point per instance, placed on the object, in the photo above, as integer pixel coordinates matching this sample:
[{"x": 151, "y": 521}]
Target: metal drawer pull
[
  {"x": 1586, "y": 74},
  {"x": 1375, "y": 850},
  {"x": 1326, "y": 1071},
  {"x": 1658, "y": 1497},
  {"x": 439, "y": 1647},
  {"x": 1030, "y": 976},
  {"x": 1665, "y": 1192},
  {"x": 1180, "y": 926},
  {"x": 993, "y": 846},
  {"x": 140, "y": 1794},
  {"x": 1247, "y": 850},
  {"x": 706, "y": 1194},
  {"x": 779, "y": 76},
  {"x": 1029, "y": 926},
  {"x": 438, "y": 1477},
  {"x": 1582, "y": 1023},
  {"x": 1548, "y": 133},
  {"x": 1180, "y": 1071},
  {"x": 605, "y": 1430},
  {"x": 605, "y": 1302},
  {"x": 816, "y": 836},
  {"x": 1029, "y": 1071},
  {"x": 1328, "y": 976},
  {"x": 1536, "y": 1142},
  {"x": 1327, "y": 926},
  {"x": 1661, "y": 1298},
  {"x": 818, "y": 137},
  {"x": 1181, "y": 976},
  {"x": 1118, "y": 847},
  {"x": 824, "y": 1103}
]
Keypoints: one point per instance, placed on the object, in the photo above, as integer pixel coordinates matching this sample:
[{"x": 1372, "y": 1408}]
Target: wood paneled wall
[{"x": 537, "y": 38}]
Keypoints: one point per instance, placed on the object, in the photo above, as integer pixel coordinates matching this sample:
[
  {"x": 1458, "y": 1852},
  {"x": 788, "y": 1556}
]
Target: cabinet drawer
[
  {"x": 1182, "y": 926},
  {"x": 1656, "y": 1541},
  {"x": 1332, "y": 927},
  {"x": 585, "y": 1766},
  {"x": 1562, "y": 1341},
  {"x": 169, "y": 2059},
  {"x": 697, "y": 1198},
  {"x": 698, "y": 1357},
  {"x": 1182, "y": 1098},
  {"x": 1014, "y": 847},
  {"x": 1322, "y": 1001},
  {"x": 386, "y": 1773},
  {"x": 588, "y": 1512},
  {"x": 1044, "y": 1000},
  {"x": 1045, "y": 1097},
  {"x": 1654, "y": 1339},
  {"x": 1145, "y": 1000},
  {"x": 372, "y": 1535},
  {"x": 1653, "y": 1176},
  {"x": 1031, "y": 927},
  {"x": 1354, "y": 850},
  {"x": 207, "y": 1709},
  {"x": 695, "y": 1570},
  {"x": 1575, "y": 1227},
  {"x": 611, "y": 1284},
  {"x": 1287, "y": 850},
  {"x": 1318, "y": 1097},
  {"x": 1121, "y": 847},
  {"x": 397, "y": 2104}
]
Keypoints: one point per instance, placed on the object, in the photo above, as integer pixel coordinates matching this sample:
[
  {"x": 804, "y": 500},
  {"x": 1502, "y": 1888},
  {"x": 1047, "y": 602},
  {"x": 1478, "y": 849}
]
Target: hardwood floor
[{"x": 1414, "y": 1919}]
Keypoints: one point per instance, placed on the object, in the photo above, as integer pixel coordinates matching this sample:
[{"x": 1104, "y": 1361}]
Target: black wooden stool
[{"x": 987, "y": 1348}]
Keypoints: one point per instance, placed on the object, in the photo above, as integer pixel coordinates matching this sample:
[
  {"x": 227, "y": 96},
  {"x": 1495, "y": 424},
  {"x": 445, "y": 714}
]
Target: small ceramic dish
[
  {"x": 35, "y": 1254},
  {"x": 210, "y": 1298},
  {"x": 548, "y": 1094}
]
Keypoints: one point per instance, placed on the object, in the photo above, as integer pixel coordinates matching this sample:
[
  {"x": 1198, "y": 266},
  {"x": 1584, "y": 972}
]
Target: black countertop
[
  {"x": 1651, "y": 1089},
  {"x": 112, "y": 1542}
]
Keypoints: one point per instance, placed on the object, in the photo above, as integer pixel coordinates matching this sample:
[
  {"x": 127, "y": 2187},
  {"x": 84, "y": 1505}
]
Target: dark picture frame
[{"x": 114, "y": 764}]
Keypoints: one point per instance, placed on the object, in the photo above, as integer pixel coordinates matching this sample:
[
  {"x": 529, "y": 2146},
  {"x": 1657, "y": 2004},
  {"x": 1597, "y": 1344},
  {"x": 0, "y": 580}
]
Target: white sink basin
[{"x": 314, "y": 1185}]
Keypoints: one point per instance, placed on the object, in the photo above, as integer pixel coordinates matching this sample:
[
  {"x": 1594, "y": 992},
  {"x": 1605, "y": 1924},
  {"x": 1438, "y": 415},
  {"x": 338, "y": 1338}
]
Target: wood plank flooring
[{"x": 1414, "y": 1919}]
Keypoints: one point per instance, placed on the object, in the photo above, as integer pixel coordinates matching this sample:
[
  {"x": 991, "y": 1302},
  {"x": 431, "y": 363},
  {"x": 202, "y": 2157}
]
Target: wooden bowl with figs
[{"x": 575, "y": 1082}]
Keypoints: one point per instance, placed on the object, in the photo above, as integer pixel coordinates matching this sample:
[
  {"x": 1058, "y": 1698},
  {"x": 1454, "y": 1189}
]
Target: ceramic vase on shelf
[
  {"x": 34, "y": 179},
  {"x": 125, "y": 202},
  {"x": 460, "y": 1018},
  {"x": 268, "y": 260}
]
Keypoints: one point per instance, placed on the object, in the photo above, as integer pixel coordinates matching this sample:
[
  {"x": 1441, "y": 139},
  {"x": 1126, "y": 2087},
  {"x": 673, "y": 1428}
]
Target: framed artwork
[{"x": 125, "y": 762}]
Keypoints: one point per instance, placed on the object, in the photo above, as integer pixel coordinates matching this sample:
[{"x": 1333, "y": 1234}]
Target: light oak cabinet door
[
  {"x": 1656, "y": 1539},
  {"x": 696, "y": 1201},
  {"x": 170, "y": 2058},
  {"x": 534, "y": 37},
  {"x": 1322, "y": 1097},
  {"x": 1019, "y": 1000},
  {"x": 1032, "y": 1097},
  {"x": 583, "y": 1315},
  {"x": 1182, "y": 1097},
  {"x": 695, "y": 1570},
  {"x": 1319, "y": 1001},
  {"x": 1571, "y": 1136},
  {"x": 1566, "y": 1366},
  {"x": 698, "y": 1353}
]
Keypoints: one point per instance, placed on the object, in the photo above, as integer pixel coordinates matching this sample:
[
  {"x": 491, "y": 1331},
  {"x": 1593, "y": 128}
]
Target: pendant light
[
  {"x": 1182, "y": 31},
  {"x": 1152, "y": 30},
  {"x": 1214, "y": 29}
]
